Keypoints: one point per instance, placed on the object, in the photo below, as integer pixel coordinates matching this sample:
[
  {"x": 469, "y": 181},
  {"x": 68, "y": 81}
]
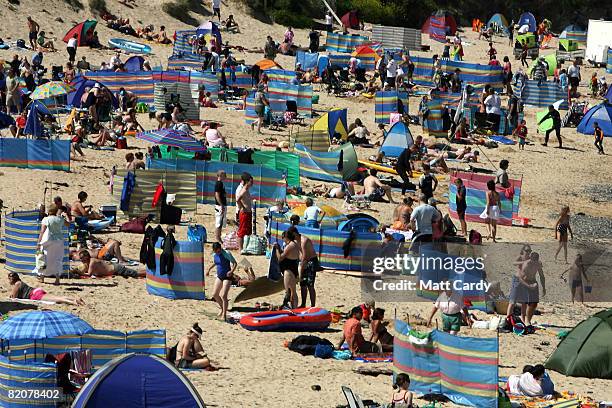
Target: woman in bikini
[
  {"x": 21, "y": 290},
  {"x": 189, "y": 351},
  {"x": 492, "y": 210},
  {"x": 289, "y": 261},
  {"x": 402, "y": 396},
  {"x": 379, "y": 330},
  {"x": 562, "y": 228}
]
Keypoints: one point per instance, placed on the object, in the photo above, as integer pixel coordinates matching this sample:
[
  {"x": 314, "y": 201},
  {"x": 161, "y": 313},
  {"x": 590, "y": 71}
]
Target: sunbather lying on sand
[
  {"x": 100, "y": 268},
  {"x": 110, "y": 250},
  {"x": 21, "y": 290}
]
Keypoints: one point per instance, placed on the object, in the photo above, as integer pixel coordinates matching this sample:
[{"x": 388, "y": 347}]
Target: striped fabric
[
  {"x": 13, "y": 375},
  {"x": 326, "y": 166},
  {"x": 239, "y": 78},
  {"x": 139, "y": 83},
  {"x": 187, "y": 278},
  {"x": 317, "y": 140},
  {"x": 268, "y": 187},
  {"x": 308, "y": 60},
  {"x": 580, "y": 36},
  {"x": 182, "y": 47},
  {"x": 42, "y": 324},
  {"x": 464, "y": 369},
  {"x": 541, "y": 96},
  {"x": 171, "y": 76},
  {"x": 434, "y": 125},
  {"x": 609, "y": 62},
  {"x": 328, "y": 245},
  {"x": 104, "y": 345},
  {"x": 476, "y": 189},
  {"x": 339, "y": 60},
  {"x": 397, "y": 37},
  {"x": 388, "y": 102},
  {"x": 280, "y": 92},
  {"x": 208, "y": 80},
  {"x": 35, "y": 154},
  {"x": 338, "y": 42},
  {"x": 250, "y": 115},
  {"x": 280, "y": 75},
  {"x": 183, "y": 184},
  {"x": 21, "y": 231},
  {"x": 470, "y": 73},
  {"x": 184, "y": 64},
  {"x": 282, "y": 161},
  {"x": 437, "y": 29},
  {"x": 188, "y": 98}
]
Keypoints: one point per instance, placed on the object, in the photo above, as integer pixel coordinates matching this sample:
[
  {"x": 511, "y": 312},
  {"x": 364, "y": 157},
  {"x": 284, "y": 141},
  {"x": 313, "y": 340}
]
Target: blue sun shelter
[
  {"x": 529, "y": 20},
  {"x": 138, "y": 381},
  {"x": 602, "y": 114},
  {"x": 499, "y": 23},
  {"x": 398, "y": 138}
]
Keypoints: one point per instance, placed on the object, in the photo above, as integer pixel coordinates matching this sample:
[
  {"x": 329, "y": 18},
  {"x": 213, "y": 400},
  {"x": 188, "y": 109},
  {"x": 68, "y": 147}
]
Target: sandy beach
[{"x": 258, "y": 371}]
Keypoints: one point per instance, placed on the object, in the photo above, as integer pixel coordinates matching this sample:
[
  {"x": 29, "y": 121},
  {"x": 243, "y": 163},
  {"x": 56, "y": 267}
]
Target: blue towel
[
  {"x": 129, "y": 181},
  {"x": 502, "y": 140}
]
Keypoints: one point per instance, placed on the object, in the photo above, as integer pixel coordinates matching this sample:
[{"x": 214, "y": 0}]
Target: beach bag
[
  {"x": 323, "y": 351},
  {"x": 230, "y": 240},
  {"x": 142, "y": 107},
  {"x": 449, "y": 226},
  {"x": 196, "y": 233},
  {"x": 20, "y": 43},
  {"x": 254, "y": 245},
  {"x": 40, "y": 260},
  {"x": 135, "y": 225},
  {"x": 121, "y": 143},
  {"x": 475, "y": 237}
]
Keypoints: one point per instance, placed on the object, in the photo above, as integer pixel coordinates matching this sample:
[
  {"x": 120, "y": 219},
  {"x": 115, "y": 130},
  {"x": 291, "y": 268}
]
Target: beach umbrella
[
  {"x": 42, "y": 324},
  {"x": 172, "y": 137},
  {"x": 51, "y": 89},
  {"x": 332, "y": 217},
  {"x": 6, "y": 120}
]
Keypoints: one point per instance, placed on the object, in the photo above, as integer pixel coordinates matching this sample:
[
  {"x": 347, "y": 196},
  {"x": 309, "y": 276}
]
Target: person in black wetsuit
[
  {"x": 404, "y": 168},
  {"x": 556, "y": 118}
]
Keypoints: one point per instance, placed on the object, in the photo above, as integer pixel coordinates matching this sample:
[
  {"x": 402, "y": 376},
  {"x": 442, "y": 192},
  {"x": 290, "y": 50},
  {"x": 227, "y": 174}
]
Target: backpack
[
  {"x": 449, "y": 226},
  {"x": 196, "y": 233},
  {"x": 254, "y": 245},
  {"x": 475, "y": 238},
  {"x": 171, "y": 354}
]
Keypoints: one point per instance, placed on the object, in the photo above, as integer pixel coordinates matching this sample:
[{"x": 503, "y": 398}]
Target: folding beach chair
[
  {"x": 81, "y": 368},
  {"x": 354, "y": 401},
  {"x": 359, "y": 201},
  {"x": 276, "y": 120},
  {"x": 291, "y": 114}
]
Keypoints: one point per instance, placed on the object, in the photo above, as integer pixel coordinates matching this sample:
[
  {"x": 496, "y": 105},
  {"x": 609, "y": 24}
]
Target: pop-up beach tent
[
  {"x": 499, "y": 21},
  {"x": 602, "y": 114},
  {"x": 587, "y": 350},
  {"x": 83, "y": 30},
  {"x": 138, "y": 381},
  {"x": 398, "y": 138}
]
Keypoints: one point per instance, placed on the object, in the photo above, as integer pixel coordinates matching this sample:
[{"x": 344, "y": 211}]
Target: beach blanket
[
  {"x": 502, "y": 139},
  {"x": 374, "y": 358}
]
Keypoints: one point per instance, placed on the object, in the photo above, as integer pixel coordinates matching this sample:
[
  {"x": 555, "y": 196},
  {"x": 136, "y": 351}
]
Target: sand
[{"x": 259, "y": 370}]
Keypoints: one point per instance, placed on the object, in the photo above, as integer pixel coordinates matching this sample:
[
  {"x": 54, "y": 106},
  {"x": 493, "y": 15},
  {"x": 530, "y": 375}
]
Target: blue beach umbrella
[
  {"x": 43, "y": 324},
  {"x": 172, "y": 137}
]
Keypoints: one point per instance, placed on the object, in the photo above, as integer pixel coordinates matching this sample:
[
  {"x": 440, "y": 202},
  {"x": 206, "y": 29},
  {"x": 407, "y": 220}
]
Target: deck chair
[
  {"x": 292, "y": 114},
  {"x": 81, "y": 367},
  {"x": 277, "y": 120},
  {"x": 354, "y": 401}
]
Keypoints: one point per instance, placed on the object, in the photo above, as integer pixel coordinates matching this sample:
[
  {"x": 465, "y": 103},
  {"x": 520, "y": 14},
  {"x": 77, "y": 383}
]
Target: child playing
[
  {"x": 402, "y": 396},
  {"x": 521, "y": 133},
  {"x": 562, "y": 227},
  {"x": 563, "y": 79},
  {"x": 594, "y": 85}
]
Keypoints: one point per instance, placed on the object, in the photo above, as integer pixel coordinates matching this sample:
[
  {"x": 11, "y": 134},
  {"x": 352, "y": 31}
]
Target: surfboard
[
  {"x": 129, "y": 46},
  {"x": 264, "y": 285}
]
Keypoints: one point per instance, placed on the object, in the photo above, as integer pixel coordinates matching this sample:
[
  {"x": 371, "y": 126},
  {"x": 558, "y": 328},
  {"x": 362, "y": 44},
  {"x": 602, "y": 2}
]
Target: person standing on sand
[
  {"x": 226, "y": 265},
  {"x": 556, "y": 127},
  {"x": 244, "y": 203},
  {"x": 71, "y": 48},
  {"x": 51, "y": 241},
  {"x": 531, "y": 292},
  {"x": 261, "y": 101},
  {"x": 33, "y": 29},
  {"x": 599, "y": 136},
  {"x": 216, "y": 6},
  {"x": 309, "y": 266},
  {"x": 574, "y": 76},
  {"x": 576, "y": 272},
  {"x": 492, "y": 210},
  {"x": 516, "y": 295},
  {"x": 220, "y": 205},
  {"x": 461, "y": 205},
  {"x": 562, "y": 227}
]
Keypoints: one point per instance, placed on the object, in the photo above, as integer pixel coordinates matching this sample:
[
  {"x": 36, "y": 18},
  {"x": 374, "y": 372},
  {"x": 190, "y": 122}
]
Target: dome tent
[
  {"x": 498, "y": 20},
  {"x": 587, "y": 350},
  {"x": 398, "y": 138},
  {"x": 83, "y": 30},
  {"x": 602, "y": 114},
  {"x": 138, "y": 381},
  {"x": 529, "y": 20}
]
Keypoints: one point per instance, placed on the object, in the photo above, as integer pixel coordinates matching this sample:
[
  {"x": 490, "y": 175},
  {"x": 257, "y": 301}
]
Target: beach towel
[
  {"x": 374, "y": 358},
  {"x": 502, "y": 140},
  {"x": 528, "y": 386}
]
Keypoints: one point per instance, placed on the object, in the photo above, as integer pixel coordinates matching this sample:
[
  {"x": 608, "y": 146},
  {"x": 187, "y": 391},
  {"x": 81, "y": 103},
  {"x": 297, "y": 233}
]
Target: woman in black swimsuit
[
  {"x": 563, "y": 230},
  {"x": 289, "y": 260},
  {"x": 379, "y": 330}
]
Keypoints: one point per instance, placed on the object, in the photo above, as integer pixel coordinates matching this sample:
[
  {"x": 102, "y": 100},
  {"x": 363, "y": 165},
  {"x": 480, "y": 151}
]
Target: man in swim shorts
[
  {"x": 100, "y": 268},
  {"x": 309, "y": 266}
]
